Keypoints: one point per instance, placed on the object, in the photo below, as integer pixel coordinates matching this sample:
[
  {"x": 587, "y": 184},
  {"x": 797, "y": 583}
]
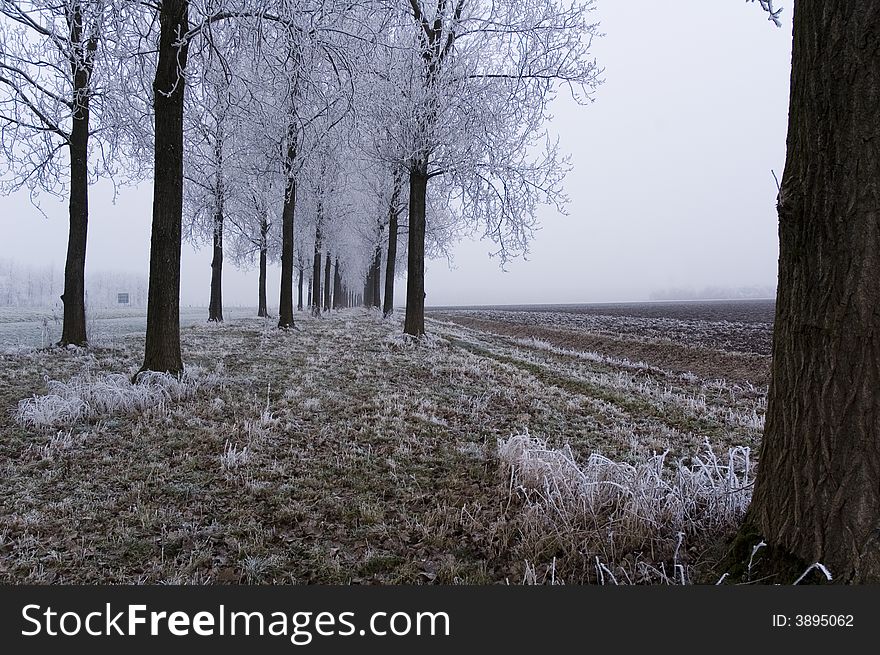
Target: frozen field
[
  {"x": 724, "y": 339},
  {"x": 728, "y": 311},
  {"x": 340, "y": 452}
]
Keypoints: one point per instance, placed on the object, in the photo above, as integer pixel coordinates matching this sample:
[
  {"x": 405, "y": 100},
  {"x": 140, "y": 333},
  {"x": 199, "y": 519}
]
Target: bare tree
[
  {"x": 213, "y": 150},
  {"x": 51, "y": 92},
  {"x": 251, "y": 216},
  {"x": 477, "y": 88}
]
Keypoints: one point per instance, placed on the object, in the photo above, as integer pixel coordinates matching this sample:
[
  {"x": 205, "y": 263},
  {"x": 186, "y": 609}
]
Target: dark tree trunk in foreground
[
  {"x": 299, "y": 292},
  {"x": 817, "y": 491},
  {"x": 327, "y": 288},
  {"x": 393, "y": 213},
  {"x": 316, "y": 274},
  {"x": 73, "y": 330},
  {"x": 162, "y": 351},
  {"x": 338, "y": 293},
  {"x": 414, "y": 322},
  {"x": 215, "y": 307},
  {"x": 285, "y": 307}
]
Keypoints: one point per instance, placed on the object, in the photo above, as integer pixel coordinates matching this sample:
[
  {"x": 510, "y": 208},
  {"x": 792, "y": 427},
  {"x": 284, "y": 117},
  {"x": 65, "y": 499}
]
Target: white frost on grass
[
  {"x": 615, "y": 509},
  {"x": 89, "y": 396},
  {"x": 592, "y": 356},
  {"x": 717, "y": 401},
  {"x": 399, "y": 340},
  {"x": 57, "y": 443},
  {"x": 233, "y": 457}
]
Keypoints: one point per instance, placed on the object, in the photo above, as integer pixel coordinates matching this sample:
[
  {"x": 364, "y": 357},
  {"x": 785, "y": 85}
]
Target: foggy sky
[{"x": 671, "y": 185}]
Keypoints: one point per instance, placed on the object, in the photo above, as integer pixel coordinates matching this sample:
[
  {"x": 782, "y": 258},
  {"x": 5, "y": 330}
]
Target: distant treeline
[
  {"x": 714, "y": 293},
  {"x": 25, "y": 285}
]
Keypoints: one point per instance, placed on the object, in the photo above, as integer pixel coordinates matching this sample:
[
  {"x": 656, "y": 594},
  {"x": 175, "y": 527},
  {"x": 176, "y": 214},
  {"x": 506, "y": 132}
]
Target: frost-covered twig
[
  {"x": 767, "y": 5},
  {"x": 819, "y": 566}
]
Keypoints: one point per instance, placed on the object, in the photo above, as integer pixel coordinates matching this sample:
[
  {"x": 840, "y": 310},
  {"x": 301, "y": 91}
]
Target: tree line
[{"x": 316, "y": 133}]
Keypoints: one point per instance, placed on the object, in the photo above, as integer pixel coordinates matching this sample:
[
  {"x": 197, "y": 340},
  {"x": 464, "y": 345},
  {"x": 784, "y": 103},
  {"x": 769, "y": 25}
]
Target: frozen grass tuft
[
  {"x": 630, "y": 520},
  {"x": 89, "y": 396},
  {"x": 233, "y": 457}
]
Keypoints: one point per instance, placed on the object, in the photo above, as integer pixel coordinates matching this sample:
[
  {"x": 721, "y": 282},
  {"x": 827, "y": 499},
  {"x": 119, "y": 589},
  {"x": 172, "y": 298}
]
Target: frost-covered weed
[
  {"x": 59, "y": 441},
  {"x": 89, "y": 396},
  {"x": 233, "y": 457},
  {"x": 633, "y": 517}
]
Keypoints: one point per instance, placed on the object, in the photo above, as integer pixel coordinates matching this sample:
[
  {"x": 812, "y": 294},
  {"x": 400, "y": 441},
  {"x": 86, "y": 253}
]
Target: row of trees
[{"x": 302, "y": 131}]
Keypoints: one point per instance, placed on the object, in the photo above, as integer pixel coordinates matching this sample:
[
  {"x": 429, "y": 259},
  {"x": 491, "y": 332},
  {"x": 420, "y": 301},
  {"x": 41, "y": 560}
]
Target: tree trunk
[
  {"x": 338, "y": 293},
  {"x": 73, "y": 330},
  {"x": 817, "y": 491},
  {"x": 262, "y": 310},
  {"x": 316, "y": 273},
  {"x": 309, "y": 301},
  {"x": 393, "y": 213},
  {"x": 368, "y": 287},
  {"x": 414, "y": 323},
  {"x": 327, "y": 288},
  {"x": 299, "y": 292},
  {"x": 215, "y": 307},
  {"x": 285, "y": 307},
  {"x": 376, "y": 272},
  {"x": 162, "y": 350}
]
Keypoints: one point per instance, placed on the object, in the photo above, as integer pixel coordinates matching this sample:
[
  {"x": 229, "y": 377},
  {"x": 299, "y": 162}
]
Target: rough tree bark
[
  {"x": 414, "y": 322},
  {"x": 327, "y": 288},
  {"x": 817, "y": 491},
  {"x": 162, "y": 350},
  {"x": 73, "y": 330}
]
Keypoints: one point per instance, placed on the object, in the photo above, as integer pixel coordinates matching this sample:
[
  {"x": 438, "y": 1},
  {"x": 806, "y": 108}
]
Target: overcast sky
[{"x": 671, "y": 184}]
